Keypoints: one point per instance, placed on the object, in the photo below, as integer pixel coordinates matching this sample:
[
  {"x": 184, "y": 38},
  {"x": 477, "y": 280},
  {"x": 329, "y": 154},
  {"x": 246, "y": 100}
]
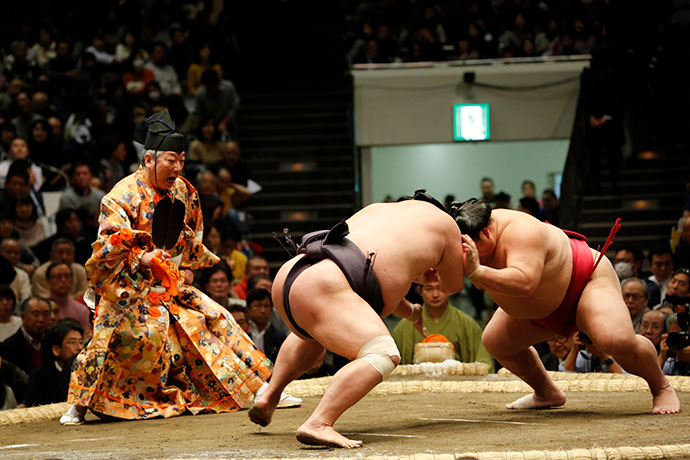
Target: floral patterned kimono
[{"x": 160, "y": 346}]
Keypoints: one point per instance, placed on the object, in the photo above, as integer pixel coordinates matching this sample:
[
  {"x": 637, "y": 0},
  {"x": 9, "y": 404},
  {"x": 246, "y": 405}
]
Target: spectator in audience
[
  {"x": 241, "y": 317},
  {"x": 502, "y": 201},
  {"x": 163, "y": 72},
  {"x": 19, "y": 150},
  {"x": 69, "y": 227},
  {"x": 559, "y": 348},
  {"x": 217, "y": 100},
  {"x": 673, "y": 362},
  {"x": 487, "y": 188},
  {"x": 530, "y": 206},
  {"x": 528, "y": 189},
  {"x": 44, "y": 150},
  {"x": 25, "y": 115},
  {"x": 678, "y": 286},
  {"x": 661, "y": 266},
  {"x": 10, "y": 249},
  {"x": 635, "y": 298},
  {"x": 221, "y": 239},
  {"x": 587, "y": 358},
  {"x": 139, "y": 77},
  {"x": 27, "y": 260},
  {"x": 264, "y": 334},
  {"x": 255, "y": 265},
  {"x": 62, "y": 250},
  {"x": 653, "y": 325},
  {"x": 125, "y": 48},
  {"x": 232, "y": 160},
  {"x": 231, "y": 194},
  {"x": 440, "y": 317},
  {"x": 60, "y": 279},
  {"x": 207, "y": 147},
  {"x": 217, "y": 285},
  {"x": 44, "y": 49},
  {"x": 628, "y": 262},
  {"x": 9, "y": 323},
  {"x": 7, "y": 134},
  {"x": 23, "y": 349},
  {"x": 81, "y": 195},
  {"x": 681, "y": 256},
  {"x": 28, "y": 225},
  {"x": 49, "y": 383},
  {"x": 98, "y": 51},
  {"x": 7, "y": 398},
  {"x": 204, "y": 62},
  {"x": 264, "y": 281},
  {"x": 549, "y": 212},
  {"x": 113, "y": 168}
]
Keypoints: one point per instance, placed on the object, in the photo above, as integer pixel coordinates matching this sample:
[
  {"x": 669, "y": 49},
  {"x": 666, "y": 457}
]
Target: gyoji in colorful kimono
[{"x": 160, "y": 346}]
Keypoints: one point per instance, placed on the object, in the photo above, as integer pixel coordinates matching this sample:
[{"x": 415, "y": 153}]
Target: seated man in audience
[
  {"x": 653, "y": 326},
  {"x": 9, "y": 323},
  {"x": 11, "y": 250},
  {"x": 81, "y": 195},
  {"x": 62, "y": 251},
  {"x": 628, "y": 261},
  {"x": 267, "y": 337},
  {"x": 586, "y": 357},
  {"x": 661, "y": 266},
  {"x": 241, "y": 317},
  {"x": 673, "y": 362},
  {"x": 59, "y": 275},
  {"x": 635, "y": 298},
  {"x": 440, "y": 317},
  {"x": 216, "y": 283},
  {"x": 678, "y": 286},
  {"x": 49, "y": 383},
  {"x": 255, "y": 265},
  {"x": 69, "y": 226},
  {"x": 264, "y": 281},
  {"x": 23, "y": 349},
  {"x": 559, "y": 348}
]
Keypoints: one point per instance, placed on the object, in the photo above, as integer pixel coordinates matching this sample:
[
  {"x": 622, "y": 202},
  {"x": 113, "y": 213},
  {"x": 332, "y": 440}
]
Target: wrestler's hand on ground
[
  {"x": 188, "y": 276},
  {"x": 471, "y": 264},
  {"x": 146, "y": 258}
]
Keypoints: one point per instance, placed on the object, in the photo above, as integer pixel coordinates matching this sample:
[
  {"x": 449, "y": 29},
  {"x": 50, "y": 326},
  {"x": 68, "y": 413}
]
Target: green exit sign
[{"x": 471, "y": 122}]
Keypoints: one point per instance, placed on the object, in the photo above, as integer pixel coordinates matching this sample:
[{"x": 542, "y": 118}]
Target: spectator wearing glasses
[
  {"x": 635, "y": 298},
  {"x": 60, "y": 278}
]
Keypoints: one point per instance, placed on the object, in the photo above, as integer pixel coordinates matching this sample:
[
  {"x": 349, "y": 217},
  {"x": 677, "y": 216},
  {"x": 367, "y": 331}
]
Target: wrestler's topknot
[{"x": 472, "y": 216}]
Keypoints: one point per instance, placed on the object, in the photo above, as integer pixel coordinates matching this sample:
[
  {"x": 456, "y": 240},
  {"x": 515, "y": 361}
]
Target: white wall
[
  {"x": 399, "y": 106},
  {"x": 457, "y": 168}
]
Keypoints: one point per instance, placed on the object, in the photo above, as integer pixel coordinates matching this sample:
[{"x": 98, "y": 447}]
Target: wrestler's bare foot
[
  {"x": 666, "y": 401},
  {"x": 325, "y": 436},
  {"x": 534, "y": 401},
  {"x": 263, "y": 408}
]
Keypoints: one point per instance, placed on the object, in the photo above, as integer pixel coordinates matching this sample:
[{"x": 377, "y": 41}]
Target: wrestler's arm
[
  {"x": 525, "y": 255},
  {"x": 451, "y": 274}
]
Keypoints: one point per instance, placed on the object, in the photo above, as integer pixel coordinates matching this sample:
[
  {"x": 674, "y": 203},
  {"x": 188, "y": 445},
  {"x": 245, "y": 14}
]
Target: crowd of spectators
[{"x": 412, "y": 31}]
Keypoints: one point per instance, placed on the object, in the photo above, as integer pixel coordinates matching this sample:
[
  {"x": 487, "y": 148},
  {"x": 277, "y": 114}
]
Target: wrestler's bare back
[
  {"x": 406, "y": 238},
  {"x": 522, "y": 239}
]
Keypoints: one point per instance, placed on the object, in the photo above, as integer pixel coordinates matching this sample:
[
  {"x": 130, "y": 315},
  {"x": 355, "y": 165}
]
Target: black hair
[
  {"x": 660, "y": 249},
  {"x": 232, "y": 308},
  {"x": 63, "y": 215},
  {"x": 257, "y": 294},
  {"x": 221, "y": 266},
  {"x": 636, "y": 252},
  {"x": 55, "y": 264},
  {"x": 209, "y": 77},
  {"x": 254, "y": 280},
  {"x": 7, "y": 126},
  {"x": 6, "y": 292},
  {"x": 472, "y": 216},
  {"x": 19, "y": 168},
  {"x": 26, "y": 199},
  {"x": 530, "y": 204},
  {"x": 486, "y": 179},
  {"x": 56, "y": 335},
  {"x": 58, "y": 241}
]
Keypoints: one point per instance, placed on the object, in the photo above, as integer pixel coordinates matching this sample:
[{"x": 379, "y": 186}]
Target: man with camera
[{"x": 674, "y": 348}]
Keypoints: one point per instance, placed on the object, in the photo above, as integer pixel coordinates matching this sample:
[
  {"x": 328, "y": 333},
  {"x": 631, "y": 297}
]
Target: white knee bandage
[{"x": 378, "y": 352}]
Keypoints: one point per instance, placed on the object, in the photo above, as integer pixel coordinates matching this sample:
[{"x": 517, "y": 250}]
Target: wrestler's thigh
[
  {"x": 507, "y": 335},
  {"x": 325, "y": 306},
  {"x": 601, "y": 312}
]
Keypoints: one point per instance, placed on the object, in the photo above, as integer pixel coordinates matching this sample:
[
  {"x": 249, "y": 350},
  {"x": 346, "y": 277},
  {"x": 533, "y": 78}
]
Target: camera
[
  {"x": 584, "y": 338},
  {"x": 681, "y": 307}
]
